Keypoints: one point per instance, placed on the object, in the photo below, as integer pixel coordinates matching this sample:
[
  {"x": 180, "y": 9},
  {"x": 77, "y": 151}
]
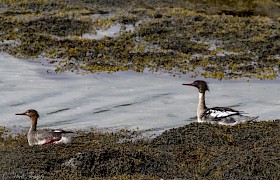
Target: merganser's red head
[
  {"x": 30, "y": 113},
  {"x": 200, "y": 85}
]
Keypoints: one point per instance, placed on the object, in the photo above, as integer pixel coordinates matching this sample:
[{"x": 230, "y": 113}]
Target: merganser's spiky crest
[
  {"x": 44, "y": 136},
  {"x": 219, "y": 115}
]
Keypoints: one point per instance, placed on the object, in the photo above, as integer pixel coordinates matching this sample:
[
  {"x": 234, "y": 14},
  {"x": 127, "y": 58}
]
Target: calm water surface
[{"x": 120, "y": 100}]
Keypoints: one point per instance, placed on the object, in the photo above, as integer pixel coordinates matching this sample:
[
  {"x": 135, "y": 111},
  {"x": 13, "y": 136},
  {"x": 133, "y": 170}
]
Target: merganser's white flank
[
  {"x": 217, "y": 115},
  {"x": 44, "y": 136}
]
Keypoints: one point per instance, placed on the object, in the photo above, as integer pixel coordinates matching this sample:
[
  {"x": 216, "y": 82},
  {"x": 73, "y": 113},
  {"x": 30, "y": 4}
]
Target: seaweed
[
  {"x": 180, "y": 38},
  {"x": 196, "y": 151}
]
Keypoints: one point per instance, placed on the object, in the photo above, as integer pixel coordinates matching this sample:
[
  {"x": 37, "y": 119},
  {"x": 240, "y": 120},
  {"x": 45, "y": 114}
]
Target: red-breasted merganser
[
  {"x": 217, "y": 115},
  {"x": 44, "y": 136}
]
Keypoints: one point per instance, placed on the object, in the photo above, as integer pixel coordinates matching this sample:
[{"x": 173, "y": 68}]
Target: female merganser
[
  {"x": 44, "y": 136},
  {"x": 217, "y": 115}
]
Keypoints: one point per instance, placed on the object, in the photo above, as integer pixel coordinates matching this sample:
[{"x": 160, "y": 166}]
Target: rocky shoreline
[
  {"x": 218, "y": 40},
  {"x": 194, "y": 151}
]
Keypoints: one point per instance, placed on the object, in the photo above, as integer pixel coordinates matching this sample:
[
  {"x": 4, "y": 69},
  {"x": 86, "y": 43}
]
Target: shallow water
[
  {"x": 113, "y": 31},
  {"x": 120, "y": 100}
]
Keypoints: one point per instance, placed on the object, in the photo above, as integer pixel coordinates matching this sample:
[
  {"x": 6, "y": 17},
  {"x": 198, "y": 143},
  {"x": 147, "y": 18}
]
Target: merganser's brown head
[
  {"x": 30, "y": 113},
  {"x": 200, "y": 85}
]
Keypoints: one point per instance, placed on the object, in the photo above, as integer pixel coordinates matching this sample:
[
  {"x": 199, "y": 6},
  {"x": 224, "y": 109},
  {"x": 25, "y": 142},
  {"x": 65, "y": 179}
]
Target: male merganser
[
  {"x": 217, "y": 115},
  {"x": 44, "y": 136}
]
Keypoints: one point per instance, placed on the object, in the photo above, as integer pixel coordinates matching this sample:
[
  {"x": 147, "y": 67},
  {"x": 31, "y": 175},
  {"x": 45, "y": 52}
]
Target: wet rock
[
  {"x": 116, "y": 161},
  {"x": 158, "y": 15},
  {"x": 198, "y": 18}
]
